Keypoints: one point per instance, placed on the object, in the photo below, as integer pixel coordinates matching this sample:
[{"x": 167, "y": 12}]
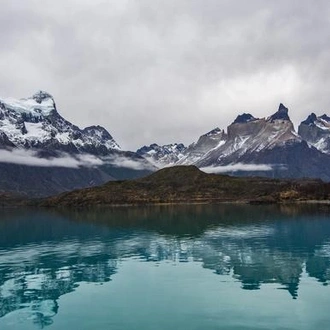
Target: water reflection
[{"x": 44, "y": 255}]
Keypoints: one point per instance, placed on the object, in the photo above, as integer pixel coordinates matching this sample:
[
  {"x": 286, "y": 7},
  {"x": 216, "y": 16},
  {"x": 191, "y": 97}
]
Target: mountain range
[
  {"x": 267, "y": 147},
  {"x": 43, "y": 154}
]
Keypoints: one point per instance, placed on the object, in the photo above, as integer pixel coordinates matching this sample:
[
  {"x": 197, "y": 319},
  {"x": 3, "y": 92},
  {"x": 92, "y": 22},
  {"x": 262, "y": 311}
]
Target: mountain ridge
[
  {"x": 35, "y": 123},
  {"x": 270, "y": 144},
  {"x": 250, "y": 146}
]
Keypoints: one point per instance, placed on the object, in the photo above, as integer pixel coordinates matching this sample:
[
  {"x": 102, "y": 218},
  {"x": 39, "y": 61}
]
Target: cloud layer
[
  {"x": 121, "y": 161},
  {"x": 167, "y": 71},
  {"x": 237, "y": 167},
  {"x": 30, "y": 158}
]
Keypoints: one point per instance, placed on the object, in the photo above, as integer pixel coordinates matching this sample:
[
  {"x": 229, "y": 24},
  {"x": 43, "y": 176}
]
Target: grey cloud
[
  {"x": 121, "y": 161},
  {"x": 237, "y": 167},
  {"x": 167, "y": 71},
  {"x": 26, "y": 157}
]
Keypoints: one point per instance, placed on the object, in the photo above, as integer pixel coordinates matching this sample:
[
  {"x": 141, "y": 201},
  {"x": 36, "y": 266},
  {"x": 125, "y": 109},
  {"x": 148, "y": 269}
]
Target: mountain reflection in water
[{"x": 44, "y": 255}]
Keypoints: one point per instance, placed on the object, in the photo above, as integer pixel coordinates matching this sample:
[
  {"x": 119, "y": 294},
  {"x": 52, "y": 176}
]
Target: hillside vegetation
[{"x": 187, "y": 184}]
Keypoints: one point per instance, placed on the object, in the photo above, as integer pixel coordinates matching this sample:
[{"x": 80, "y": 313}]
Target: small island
[{"x": 188, "y": 184}]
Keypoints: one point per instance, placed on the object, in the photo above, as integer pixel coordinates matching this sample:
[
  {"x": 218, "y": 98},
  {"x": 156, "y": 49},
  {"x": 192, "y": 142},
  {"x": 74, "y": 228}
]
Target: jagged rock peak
[
  {"x": 310, "y": 119},
  {"x": 325, "y": 117},
  {"x": 215, "y": 131},
  {"x": 162, "y": 155},
  {"x": 35, "y": 123},
  {"x": 180, "y": 146},
  {"x": 281, "y": 114},
  {"x": 244, "y": 118},
  {"x": 282, "y": 107},
  {"x": 41, "y": 96},
  {"x": 167, "y": 147},
  {"x": 96, "y": 128}
]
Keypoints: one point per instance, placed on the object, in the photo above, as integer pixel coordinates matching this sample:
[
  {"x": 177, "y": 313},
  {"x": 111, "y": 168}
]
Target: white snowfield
[{"x": 30, "y": 106}]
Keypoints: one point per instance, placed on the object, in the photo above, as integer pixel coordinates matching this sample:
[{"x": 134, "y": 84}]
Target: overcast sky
[{"x": 167, "y": 71}]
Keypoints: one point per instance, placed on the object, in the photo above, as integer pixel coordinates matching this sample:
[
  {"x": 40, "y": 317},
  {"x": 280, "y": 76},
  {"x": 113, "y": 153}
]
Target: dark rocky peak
[
  {"x": 282, "y": 107},
  {"x": 325, "y": 117},
  {"x": 180, "y": 146},
  {"x": 98, "y": 130},
  {"x": 310, "y": 119},
  {"x": 167, "y": 148},
  {"x": 143, "y": 150},
  {"x": 215, "y": 131},
  {"x": 41, "y": 96},
  {"x": 244, "y": 118},
  {"x": 281, "y": 114}
]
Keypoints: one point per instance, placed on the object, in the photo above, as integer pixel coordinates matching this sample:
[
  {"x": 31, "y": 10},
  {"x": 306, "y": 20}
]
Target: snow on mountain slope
[
  {"x": 316, "y": 131},
  {"x": 246, "y": 139},
  {"x": 35, "y": 123},
  {"x": 205, "y": 144},
  {"x": 161, "y": 156},
  {"x": 267, "y": 147},
  {"x": 40, "y": 104}
]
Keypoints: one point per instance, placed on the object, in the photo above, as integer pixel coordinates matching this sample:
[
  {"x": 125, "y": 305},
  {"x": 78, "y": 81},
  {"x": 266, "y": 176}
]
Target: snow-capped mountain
[
  {"x": 267, "y": 147},
  {"x": 316, "y": 131},
  {"x": 41, "y": 153},
  {"x": 165, "y": 155},
  {"x": 263, "y": 146},
  {"x": 245, "y": 135},
  {"x": 35, "y": 123},
  {"x": 248, "y": 135}
]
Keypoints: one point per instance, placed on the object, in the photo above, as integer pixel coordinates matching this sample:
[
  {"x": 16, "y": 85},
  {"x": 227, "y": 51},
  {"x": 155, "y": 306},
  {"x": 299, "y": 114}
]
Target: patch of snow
[
  {"x": 35, "y": 131},
  {"x": 320, "y": 144},
  {"x": 30, "y": 106},
  {"x": 322, "y": 125},
  {"x": 63, "y": 137}
]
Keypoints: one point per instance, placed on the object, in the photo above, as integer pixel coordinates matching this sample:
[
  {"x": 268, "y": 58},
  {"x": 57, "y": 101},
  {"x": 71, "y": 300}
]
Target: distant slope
[
  {"x": 206, "y": 143},
  {"x": 35, "y": 181},
  {"x": 182, "y": 184}
]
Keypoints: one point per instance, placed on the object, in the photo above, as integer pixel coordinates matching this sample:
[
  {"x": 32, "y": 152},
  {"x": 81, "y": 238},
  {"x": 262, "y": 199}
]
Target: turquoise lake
[{"x": 171, "y": 267}]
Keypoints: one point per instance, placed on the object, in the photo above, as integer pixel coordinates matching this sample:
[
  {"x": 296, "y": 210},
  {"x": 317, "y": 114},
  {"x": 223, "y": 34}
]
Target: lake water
[{"x": 183, "y": 267}]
